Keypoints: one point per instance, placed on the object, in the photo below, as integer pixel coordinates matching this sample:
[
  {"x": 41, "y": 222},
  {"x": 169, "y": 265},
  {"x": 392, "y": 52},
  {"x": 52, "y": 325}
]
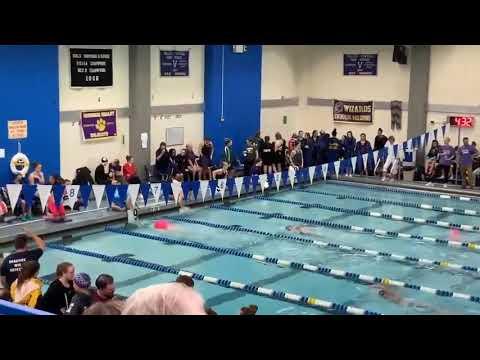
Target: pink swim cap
[{"x": 162, "y": 224}]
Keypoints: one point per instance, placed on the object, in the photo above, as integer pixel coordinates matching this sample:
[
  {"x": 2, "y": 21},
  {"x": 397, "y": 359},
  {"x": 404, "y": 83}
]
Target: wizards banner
[
  {"x": 99, "y": 124},
  {"x": 353, "y": 111}
]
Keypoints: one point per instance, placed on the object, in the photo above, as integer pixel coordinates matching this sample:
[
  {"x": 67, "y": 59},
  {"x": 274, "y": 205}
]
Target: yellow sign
[{"x": 17, "y": 129}]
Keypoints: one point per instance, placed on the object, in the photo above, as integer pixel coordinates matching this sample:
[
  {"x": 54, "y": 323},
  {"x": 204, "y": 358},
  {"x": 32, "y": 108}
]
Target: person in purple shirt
[
  {"x": 465, "y": 155},
  {"x": 446, "y": 156},
  {"x": 362, "y": 147}
]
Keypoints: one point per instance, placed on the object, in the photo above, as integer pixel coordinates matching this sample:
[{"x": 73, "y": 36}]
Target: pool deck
[{"x": 103, "y": 215}]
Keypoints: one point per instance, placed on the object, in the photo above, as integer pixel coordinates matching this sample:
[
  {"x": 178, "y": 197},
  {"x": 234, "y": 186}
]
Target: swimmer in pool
[
  {"x": 394, "y": 296},
  {"x": 302, "y": 229}
]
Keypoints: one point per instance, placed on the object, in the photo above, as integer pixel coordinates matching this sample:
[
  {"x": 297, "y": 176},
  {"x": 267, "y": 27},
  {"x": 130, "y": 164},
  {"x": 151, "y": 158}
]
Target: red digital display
[{"x": 461, "y": 121}]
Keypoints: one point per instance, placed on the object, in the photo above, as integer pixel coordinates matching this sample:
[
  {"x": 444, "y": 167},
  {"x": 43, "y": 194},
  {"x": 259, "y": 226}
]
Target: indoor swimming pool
[{"x": 366, "y": 247}]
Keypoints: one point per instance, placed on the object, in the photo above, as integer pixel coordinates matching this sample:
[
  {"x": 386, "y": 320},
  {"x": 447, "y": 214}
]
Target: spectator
[
  {"x": 115, "y": 172},
  {"x": 315, "y": 139},
  {"x": 296, "y": 157},
  {"x": 182, "y": 165},
  {"x": 105, "y": 288},
  {"x": 111, "y": 307},
  {"x": 446, "y": 156},
  {"x": 162, "y": 161},
  {"x": 102, "y": 176},
  {"x": 36, "y": 177},
  {"x": 130, "y": 170},
  {"x": 173, "y": 166},
  {"x": 335, "y": 148},
  {"x": 349, "y": 145},
  {"x": 250, "y": 158},
  {"x": 257, "y": 140},
  {"x": 307, "y": 150},
  {"x": 12, "y": 264},
  {"x": 280, "y": 148},
  {"x": 59, "y": 295},
  {"x": 165, "y": 299},
  {"x": 192, "y": 163},
  {"x": 228, "y": 153},
  {"x": 267, "y": 155},
  {"x": 222, "y": 172},
  {"x": 431, "y": 162},
  {"x": 322, "y": 147},
  {"x": 205, "y": 162},
  {"x": 391, "y": 162},
  {"x": 465, "y": 154},
  {"x": 292, "y": 142},
  {"x": 27, "y": 289},
  {"x": 362, "y": 147},
  {"x": 380, "y": 140},
  {"x": 83, "y": 295}
]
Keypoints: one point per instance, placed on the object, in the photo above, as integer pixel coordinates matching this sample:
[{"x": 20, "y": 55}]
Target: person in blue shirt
[{"x": 362, "y": 147}]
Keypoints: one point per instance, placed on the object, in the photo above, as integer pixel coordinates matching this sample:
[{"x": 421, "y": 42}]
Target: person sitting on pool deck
[
  {"x": 12, "y": 264},
  {"x": 105, "y": 289}
]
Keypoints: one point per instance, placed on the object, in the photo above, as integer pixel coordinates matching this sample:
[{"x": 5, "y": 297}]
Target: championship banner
[
  {"x": 353, "y": 111},
  {"x": 174, "y": 63},
  {"x": 360, "y": 64},
  {"x": 91, "y": 67},
  {"x": 99, "y": 124}
]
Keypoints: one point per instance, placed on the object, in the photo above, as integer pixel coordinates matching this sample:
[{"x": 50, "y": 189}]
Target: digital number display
[{"x": 461, "y": 121}]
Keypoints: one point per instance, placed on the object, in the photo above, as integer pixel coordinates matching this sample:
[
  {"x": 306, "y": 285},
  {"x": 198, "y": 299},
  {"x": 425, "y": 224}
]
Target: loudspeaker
[{"x": 399, "y": 54}]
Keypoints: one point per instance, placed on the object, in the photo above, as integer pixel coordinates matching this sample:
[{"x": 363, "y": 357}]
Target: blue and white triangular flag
[
  {"x": 311, "y": 173},
  {"x": 133, "y": 190},
  {"x": 447, "y": 129},
  {"x": 166, "y": 190},
  {"x": 422, "y": 140},
  {"x": 43, "y": 194},
  {"x": 435, "y": 132},
  {"x": 337, "y": 167},
  {"x": 72, "y": 192},
  {"x": 238, "y": 185},
  {"x": 14, "y": 191},
  {"x": 203, "y": 188},
  {"x": 230, "y": 184},
  {"x": 324, "y": 171},
  {"x": 222, "y": 184},
  {"x": 278, "y": 177},
  {"x": 186, "y": 187},
  {"x": 176, "y": 190},
  {"x": 98, "y": 191},
  {"x": 353, "y": 160},
  {"x": 156, "y": 189},
  {"x": 409, "y": 145},
  {"x": 365, "y": 161},
  {"x": 263, "y": 181},
  {"x": 145, "y": 190},
  {"x": 291, "y": 175},
  {"x": 85, "y": 191},
  {"x": 58, "y": 191}
]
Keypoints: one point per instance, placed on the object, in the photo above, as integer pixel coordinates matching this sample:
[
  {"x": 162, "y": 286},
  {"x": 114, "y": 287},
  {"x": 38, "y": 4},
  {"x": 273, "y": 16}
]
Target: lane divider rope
[
  {"x": 260, "y": 291},
  {"x": 410, "y": 192},
  {"x": 321, "y": 269},
  {"x": 335, "y": 246},
  {"x": 454, "y": 244},
  {"x": 445, "y": 209},
  {"x": 374, "y": 214}
]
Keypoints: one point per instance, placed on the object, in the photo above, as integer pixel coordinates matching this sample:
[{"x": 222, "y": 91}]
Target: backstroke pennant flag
[
  {"x": 166, "y": 190},
  {"x": 422, "y": 140},
  {"x": 246, "y": 183},
  {"x": 58, "y": 191},
  {"x": 262, "y": 179},
  {"x": 435, "y": 133},
  {"x": 28, "y": 193},
  {"x": 222, "y": 184},
  {"x": 14, "y": 193},
  {"x": 213, "y": 187},
  {"x": 176, "y": 190},
  {"x": 85, "y": 191},
  {"x": 375, "y": 156},
  {"x": 291, "y": 175},
  {"x": 409, "y": 145},
  {"x": 122, "y": 193},
  {"x": 238, "y": 185},
  {"x": 354, "y": 163},
  {"x": 278, "y": 177},
  {"x": 43, "y": 194},
  {"x": 203, "y": 188},
  {"x": 311, "y": 173},
  {"x": 145, "y": 190},
  {"x": 98, "y": 191},
  {"x": 447, "y": 129},
  {"x": 324, "y": 171},
  {"x": 186, "y": 187},
  {"x": 365, "y": 161},
  {"x": 230, "y": 185},
  {"x": 304, "y": 172},
  {"x": 254, "y": 183},
  {"x": 156, "y": 191},
  {"x": 337, "y": 167},
  {"x": 110, "y": 191},
  {"x": 72, "y": 191},
  {"x": 270, "y": 180},
  {"x": 285, "y": 177},
  {"x": 195, "y": 188},
  {"x": 133, "y": 190}
]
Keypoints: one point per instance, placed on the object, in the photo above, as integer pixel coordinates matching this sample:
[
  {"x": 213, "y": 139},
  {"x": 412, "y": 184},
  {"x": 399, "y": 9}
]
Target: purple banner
[{"x": 99, "y": 124}]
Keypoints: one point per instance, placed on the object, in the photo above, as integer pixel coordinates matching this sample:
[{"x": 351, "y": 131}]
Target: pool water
[{"x": 228, "y": 301}]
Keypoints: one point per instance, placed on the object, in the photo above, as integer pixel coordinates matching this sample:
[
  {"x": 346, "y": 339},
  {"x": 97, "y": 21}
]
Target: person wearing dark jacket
[
  {"x": 380, "y": 140},
  {"x": 101, "y": 172},
  {"x": 335, "y": 148},
  {"x": 83, "y": 295},
  {"x": 307, "y": 149},
  {"x": 349, "y": 145},
  {"x": 362, "y": 147},
  {"x": 322, "y": 147},
  {"x": 59, "y": 295}
]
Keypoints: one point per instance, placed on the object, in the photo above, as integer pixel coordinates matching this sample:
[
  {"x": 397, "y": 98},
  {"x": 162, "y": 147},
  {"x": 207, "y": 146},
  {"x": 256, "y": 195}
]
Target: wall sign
[
  {"x": 461, "y": 121},
  {"x": 99, "y": 124},
  {"x": 174, "y": 63},
  {"x": 91, "y": 67},
  {"x": 353, "y": 111},
  {"x": 360, "y": 64},
  {"x": 17, "y": 129}
]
